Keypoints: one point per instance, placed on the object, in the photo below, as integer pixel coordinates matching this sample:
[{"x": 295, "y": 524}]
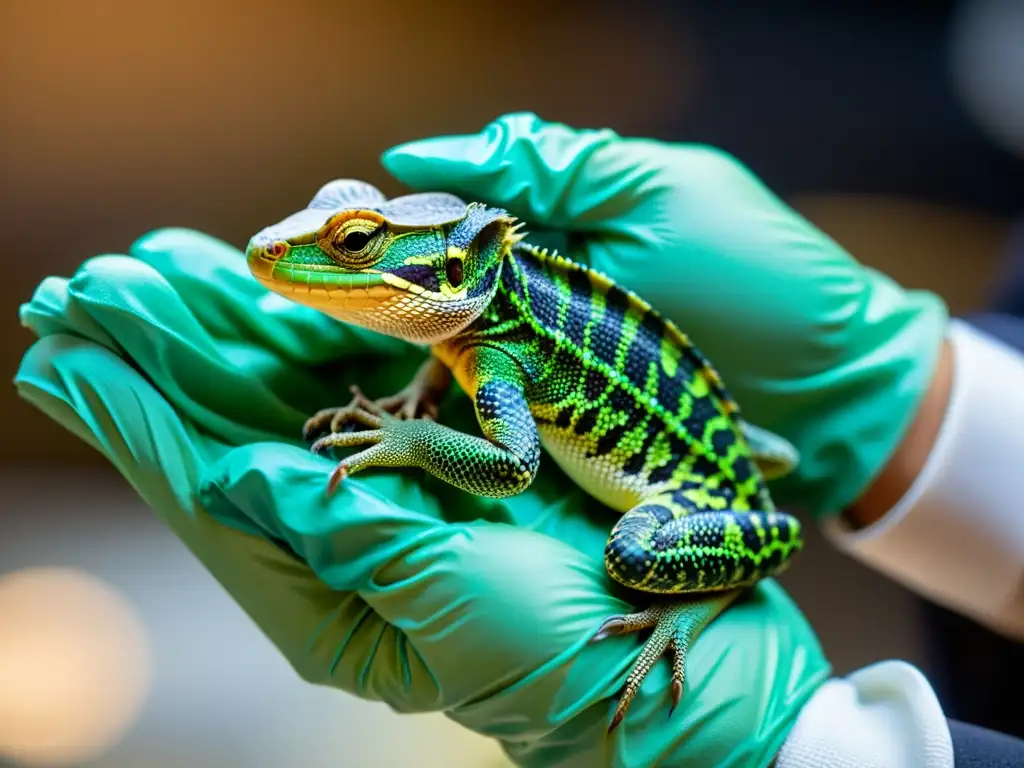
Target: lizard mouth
[{"x": 326, "y": 287}]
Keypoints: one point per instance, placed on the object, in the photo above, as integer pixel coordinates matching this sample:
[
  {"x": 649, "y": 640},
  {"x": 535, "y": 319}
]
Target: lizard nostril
[{"x": 276, "y": 250}]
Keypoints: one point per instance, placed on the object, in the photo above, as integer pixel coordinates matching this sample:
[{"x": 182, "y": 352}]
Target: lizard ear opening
[{"x": 454, "y": 272}]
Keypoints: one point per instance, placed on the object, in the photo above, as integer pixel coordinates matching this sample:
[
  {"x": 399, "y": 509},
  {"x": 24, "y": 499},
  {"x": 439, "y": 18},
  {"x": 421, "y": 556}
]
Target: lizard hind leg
[{"x": 696, "y": 562}]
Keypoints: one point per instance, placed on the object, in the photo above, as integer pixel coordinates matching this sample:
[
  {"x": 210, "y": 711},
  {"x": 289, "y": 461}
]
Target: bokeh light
[
  {"x": 74, "y": 667},
  {"x": 987, "y": 56}
]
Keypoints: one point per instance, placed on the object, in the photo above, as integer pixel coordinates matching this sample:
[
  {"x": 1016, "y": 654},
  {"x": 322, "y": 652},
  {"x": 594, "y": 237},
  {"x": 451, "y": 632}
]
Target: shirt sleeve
[
  {"x": 882, "y": 716},
  {"x": 957, "y": 536}
]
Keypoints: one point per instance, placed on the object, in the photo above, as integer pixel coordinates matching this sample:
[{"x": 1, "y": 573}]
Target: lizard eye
[
  {"x": 355, "y": 241},
  {"x": 453, "y": 272}
]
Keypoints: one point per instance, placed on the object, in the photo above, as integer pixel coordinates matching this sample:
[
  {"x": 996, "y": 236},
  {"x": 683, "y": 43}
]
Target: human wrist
[
  {"x": 849, "y": 413},
  {"x": 906, "y": 463},
  {"x": 953, "y": 538}
]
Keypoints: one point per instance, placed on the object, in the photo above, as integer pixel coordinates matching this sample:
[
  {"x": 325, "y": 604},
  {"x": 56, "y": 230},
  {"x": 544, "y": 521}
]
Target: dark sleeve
[{"x": 975, "y": 747}]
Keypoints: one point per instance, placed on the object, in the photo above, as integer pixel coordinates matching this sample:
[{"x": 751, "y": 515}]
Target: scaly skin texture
[{"x": 554, "y": 356}]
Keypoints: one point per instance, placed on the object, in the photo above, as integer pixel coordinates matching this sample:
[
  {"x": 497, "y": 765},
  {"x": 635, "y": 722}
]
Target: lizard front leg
[
  {"x": 501, "y": 463},
  {"x": 419, "y": 398},
  {"x": 697, "y": 562}
]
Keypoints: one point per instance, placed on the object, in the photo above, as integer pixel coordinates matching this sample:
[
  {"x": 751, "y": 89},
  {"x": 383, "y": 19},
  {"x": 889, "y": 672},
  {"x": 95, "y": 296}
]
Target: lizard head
[{"x": 420, "y": 267}]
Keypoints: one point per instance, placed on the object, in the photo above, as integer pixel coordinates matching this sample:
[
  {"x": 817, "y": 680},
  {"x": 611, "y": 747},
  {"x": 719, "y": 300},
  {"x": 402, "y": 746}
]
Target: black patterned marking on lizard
[
  {"x": 420, "y": 274},
  {"x": 543, "y": 294},
  {"x": 677, "y": 450},
  {"x": 723, "y": 440},
  {"x": 635, "y": 464},
  {"x": 578, "y": 314},
  {"x": 702, "y": 409},
  {"x": 606, "y": 335},
  {"x": 595, "y": 385},
  {"x": 644, "y": 349}
]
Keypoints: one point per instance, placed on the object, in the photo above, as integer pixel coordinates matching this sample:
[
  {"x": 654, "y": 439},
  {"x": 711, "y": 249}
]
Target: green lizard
[{"x": 554, "y": 356}]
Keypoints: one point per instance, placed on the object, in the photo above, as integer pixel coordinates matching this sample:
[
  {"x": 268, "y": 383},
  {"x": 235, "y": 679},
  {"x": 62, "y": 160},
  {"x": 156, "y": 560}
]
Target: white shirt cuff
[
  {"x": 957, "y": 536},
  {"x": 882, "y": 716}
]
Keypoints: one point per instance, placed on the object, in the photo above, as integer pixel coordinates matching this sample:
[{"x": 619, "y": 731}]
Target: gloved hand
[
  {"x": 194, "y": 382},
  {"x": 815, "y": 347}
]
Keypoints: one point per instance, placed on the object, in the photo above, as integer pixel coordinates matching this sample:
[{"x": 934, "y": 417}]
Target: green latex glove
[
  {"x": 814, "y": 346},
  {"x": 194, "y": 382}
]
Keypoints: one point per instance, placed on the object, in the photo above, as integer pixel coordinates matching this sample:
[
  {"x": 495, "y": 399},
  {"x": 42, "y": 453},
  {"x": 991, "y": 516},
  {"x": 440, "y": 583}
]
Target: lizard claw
[
  {"x": 337, "y": 477},
  {"x": 311, "y": 428},
  {"x": 677, "y": 695},
  {"x": 613, "y": 626},
  {"x": 616, "y": 720},
  {"x": 360, "y": 400}
]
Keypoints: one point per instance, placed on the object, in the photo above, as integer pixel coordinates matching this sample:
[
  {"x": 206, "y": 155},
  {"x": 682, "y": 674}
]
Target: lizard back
[{"x": 624, "y": 402}]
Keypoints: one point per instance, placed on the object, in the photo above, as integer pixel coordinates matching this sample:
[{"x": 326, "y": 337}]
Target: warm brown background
[{"x": 117, "y": 117}]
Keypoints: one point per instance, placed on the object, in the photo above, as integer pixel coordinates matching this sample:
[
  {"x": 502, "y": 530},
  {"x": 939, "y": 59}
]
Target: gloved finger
[
  {"x": 105, "y": 402},
  {"x": 494, "y": 624},
  {"x": 51, "y": 312},
  {"x": 549, "y": 174},
  {"x": 483, "y": 605},
  {"x": 472, "y": 589},
  {"x": 232, "y": 385},
  {"x": 666, "y": 220},
  {"x": 748, "y": 675},
  {"x": 212, "y": 278},
  {"x": 383, "y": 535}
]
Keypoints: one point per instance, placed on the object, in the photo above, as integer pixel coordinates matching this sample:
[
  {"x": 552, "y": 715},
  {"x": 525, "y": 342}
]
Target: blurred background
[{"x": 896, "y": 126}]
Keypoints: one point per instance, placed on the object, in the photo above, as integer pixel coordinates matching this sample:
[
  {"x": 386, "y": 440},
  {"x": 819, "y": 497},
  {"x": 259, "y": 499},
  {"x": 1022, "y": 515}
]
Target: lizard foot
[
  {"x": 389, "y": 441},
  {"x": 362, "y": 411},
  {"x": 418, "y": 400},
  {"x": 676, "y": 625}
]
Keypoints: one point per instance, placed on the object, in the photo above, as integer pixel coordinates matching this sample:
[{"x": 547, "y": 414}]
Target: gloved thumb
[{"x": 549, "y": 174}]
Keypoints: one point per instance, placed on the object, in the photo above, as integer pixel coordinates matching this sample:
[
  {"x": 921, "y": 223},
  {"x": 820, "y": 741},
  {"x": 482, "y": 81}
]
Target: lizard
[{"x": 556, "y": 358}]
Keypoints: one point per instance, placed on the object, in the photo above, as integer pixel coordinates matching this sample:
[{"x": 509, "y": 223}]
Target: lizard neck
[
  {"x": 510, "y": 322},
  {"x": 451, "y": 321}
]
